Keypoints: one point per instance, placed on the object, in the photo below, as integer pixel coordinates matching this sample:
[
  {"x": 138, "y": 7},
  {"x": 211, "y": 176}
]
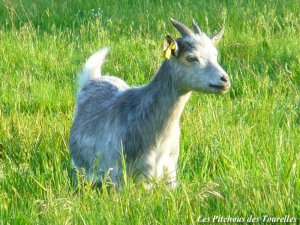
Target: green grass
[{"x": 239, "y": 153}]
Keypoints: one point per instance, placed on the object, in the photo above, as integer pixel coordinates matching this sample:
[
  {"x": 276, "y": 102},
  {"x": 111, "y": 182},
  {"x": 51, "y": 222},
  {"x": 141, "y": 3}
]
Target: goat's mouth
[{"x": 222, "y": 87}]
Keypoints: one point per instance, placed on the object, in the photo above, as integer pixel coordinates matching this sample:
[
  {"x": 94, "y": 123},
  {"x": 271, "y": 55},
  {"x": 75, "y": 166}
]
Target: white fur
[{"x": 92, "y": 67}]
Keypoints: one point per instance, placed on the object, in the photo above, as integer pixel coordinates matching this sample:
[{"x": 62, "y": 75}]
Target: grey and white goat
[{"x": 142, "y": 124}]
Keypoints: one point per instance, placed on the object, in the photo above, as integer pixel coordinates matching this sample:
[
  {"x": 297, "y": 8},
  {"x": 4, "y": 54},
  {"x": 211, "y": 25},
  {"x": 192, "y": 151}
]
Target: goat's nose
[{"x": 224, "y": 78}]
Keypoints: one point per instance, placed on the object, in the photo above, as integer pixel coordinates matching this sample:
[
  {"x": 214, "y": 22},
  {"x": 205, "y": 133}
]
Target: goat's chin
[
  {"x": 219, "y": 90},
  {"x": 214, "y": 90}
]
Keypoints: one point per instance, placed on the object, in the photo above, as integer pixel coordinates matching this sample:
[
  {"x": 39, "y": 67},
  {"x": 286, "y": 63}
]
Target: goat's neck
[{"x": 165, "y": 99}]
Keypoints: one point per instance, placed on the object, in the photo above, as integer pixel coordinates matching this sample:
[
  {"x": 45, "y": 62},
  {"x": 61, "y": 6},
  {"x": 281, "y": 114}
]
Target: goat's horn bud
[{"x": 183, "y": 29}]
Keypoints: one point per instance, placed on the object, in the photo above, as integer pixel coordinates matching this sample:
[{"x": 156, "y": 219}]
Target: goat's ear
[
  {"x": 215, "y": 39},
  {"x": 170, "y": 47}
]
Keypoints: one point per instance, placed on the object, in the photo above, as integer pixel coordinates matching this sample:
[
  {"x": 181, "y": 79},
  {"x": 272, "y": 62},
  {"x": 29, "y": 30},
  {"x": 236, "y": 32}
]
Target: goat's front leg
[
  {"x": 171, "y": 175},
  {"x": 171, "y": 164}
]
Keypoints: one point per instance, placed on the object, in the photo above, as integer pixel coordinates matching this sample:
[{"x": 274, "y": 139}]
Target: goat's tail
[{"x": 92, "y": 67}]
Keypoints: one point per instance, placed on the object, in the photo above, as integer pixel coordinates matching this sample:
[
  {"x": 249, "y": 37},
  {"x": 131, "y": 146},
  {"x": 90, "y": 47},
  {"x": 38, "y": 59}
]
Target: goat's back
[{"x": 96, "y": 125}]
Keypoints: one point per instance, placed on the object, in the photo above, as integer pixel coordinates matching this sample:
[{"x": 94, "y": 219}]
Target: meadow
[{"x": 239, "y": 152}]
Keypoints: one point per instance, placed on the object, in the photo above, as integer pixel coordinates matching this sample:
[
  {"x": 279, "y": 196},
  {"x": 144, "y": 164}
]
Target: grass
[{"x": 239, "y": 153}]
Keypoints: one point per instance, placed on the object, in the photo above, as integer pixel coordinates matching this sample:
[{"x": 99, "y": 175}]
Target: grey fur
[{"x": 142, "y": 122}]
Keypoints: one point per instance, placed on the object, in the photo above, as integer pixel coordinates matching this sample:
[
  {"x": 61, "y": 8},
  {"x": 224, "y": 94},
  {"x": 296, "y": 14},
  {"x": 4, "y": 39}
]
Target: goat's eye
[{"x": 192, "y": 59}]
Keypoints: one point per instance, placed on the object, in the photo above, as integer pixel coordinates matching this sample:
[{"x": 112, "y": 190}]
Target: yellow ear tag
[{"x": 168, "y": 51}]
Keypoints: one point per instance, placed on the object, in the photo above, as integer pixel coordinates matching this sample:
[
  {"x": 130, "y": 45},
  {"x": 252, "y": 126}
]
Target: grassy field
[{"x": 239, "y": 152}]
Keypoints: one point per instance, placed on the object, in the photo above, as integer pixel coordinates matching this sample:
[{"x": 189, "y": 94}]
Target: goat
[{"x": 142, "y": 124}]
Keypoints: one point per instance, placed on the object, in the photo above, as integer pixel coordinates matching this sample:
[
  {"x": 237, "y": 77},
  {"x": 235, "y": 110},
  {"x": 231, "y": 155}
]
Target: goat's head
[{"x": 195, "y": 55}]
